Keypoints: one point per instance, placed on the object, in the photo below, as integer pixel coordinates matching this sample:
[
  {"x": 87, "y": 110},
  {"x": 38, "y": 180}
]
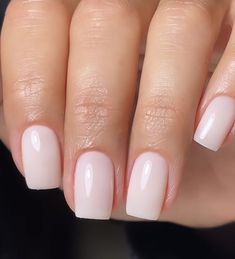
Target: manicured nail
[
  {"x": 94, "y": 186},
  {"x": 41, "y": 158},
  {"x": 216, "y": 123},
  {"x": 147, "y": 187}
]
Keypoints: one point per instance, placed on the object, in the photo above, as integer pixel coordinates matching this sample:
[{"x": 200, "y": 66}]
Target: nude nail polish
[
  {"x": 41, "y": 158},
  {"x": 216, "y": 123},
  {"x": 94, "y": 186},
  {"x": 147, "y": 187}
]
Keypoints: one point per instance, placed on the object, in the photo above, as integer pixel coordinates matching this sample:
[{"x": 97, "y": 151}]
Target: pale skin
[{"x": 41, "y": 48}]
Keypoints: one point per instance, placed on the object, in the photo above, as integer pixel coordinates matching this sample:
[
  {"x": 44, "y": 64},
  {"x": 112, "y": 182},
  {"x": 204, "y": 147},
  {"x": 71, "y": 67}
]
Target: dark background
[{"x": 39, "y": 225}]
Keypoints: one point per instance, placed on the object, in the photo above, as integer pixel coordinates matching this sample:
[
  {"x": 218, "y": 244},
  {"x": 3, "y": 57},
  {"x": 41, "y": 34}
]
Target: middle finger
[{"x": 103, "y": 64}]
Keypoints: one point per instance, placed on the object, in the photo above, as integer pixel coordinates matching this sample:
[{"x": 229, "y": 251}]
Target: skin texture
[{"x": 93, "y": 110}]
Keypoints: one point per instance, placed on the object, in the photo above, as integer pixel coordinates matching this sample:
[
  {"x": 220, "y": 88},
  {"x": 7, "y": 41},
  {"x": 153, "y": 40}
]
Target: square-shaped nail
[
  {"x": 147, "y": 187},
  {"x": 41, "y": 158},
  {"x": 216, "y": 123},
  {"x": 94, "y": 186}
]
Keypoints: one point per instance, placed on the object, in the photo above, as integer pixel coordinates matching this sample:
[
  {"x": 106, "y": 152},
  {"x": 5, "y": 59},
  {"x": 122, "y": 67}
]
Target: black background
[{"x": 39, "y": 225}]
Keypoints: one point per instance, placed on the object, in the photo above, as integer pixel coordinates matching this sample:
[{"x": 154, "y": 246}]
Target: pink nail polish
[
  {"x": 41, "y": 158},
  {"x": 147, "y": 187},
  {"x": 94, "y": 186},
  {"x": 216, "y": 123}
]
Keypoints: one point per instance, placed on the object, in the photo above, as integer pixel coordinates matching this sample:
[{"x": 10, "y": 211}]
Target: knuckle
[
  {"x": 91, "y": 115},
  {"x": 94, "y": 111},
  {"x": 90, "y": 106},
  {"x": 29, "y": 87},
  {"x": 91, "y": 111},
  {"x": 27, "y": 95},
  {"x": 30, "y": 96},
  {"x": 159, "y": 116}
]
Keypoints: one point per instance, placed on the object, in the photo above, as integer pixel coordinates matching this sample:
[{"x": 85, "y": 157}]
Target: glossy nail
[
  {"x": 216, "y": 123},
  {"x": 41, "y": 158},
  {"x": 94, "y": 186},
  {"x": 147, "y": 187}
]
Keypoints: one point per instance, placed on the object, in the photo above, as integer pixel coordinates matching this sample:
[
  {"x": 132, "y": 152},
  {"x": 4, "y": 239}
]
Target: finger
[
  {"x": 173, "y": 76},
  {"x": 216, "y": 113},
  {"x": 1, "y": 102},
  {"x": 102, "y": 73},
  {"x": 3, "y": 130},
  {"x": 34, "y": 56},
  {"x": 2, "y": 126}
]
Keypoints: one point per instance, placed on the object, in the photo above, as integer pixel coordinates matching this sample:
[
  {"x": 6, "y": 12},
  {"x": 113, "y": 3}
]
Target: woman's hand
[{"x": 70, "y": 77}]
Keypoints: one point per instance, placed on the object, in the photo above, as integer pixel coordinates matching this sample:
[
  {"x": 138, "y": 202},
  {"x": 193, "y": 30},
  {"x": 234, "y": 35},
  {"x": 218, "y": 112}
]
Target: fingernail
[
  {"x": 94, "y": 186},
  {"x": 216, "y": 123},
  {"x": 147, "y": 187},
  {"x": 41, "y": 158}
]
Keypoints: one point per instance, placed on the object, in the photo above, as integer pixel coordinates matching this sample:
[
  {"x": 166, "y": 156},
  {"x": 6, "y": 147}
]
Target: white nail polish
[
  {"x": 41, "y": 158},
  {"x": 147, "y": 187},
  {"x": 216, "y": 123},
  {"x": 94, "y": 186}
]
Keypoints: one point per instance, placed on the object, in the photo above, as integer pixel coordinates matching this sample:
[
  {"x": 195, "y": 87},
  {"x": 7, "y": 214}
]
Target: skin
[{"x": 80, "y": 34}]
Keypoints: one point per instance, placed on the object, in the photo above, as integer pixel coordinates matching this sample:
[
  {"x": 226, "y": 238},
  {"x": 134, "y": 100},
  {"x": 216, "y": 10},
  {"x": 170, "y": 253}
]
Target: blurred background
[{"x": 39, "y": 225}]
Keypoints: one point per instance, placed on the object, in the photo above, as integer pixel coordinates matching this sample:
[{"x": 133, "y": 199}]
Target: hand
[{"x": 85, "y": 133}]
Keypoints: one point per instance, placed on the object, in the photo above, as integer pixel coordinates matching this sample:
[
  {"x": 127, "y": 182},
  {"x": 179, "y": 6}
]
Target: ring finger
[
  {"x": 173, "y": 77},
  {"x": 104, "y": 49}
]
